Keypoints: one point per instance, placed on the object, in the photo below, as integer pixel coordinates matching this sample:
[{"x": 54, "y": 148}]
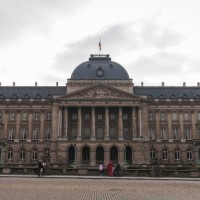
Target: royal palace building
[{"x": 97, "y": 117}]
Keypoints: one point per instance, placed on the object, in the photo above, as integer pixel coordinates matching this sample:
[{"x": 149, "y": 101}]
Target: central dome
[{"x": 99, "y": 67}]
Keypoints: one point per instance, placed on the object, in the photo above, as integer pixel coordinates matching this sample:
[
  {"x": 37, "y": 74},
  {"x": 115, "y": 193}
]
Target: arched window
[
  {"x": 34, "y": 154},
  {"x": 164, "y": 154},
  {"x": 128, "y": 155},
  {"x": 114, "y": 154},
  {"x": 197, "y": 97},
  {"x": 184, "y": 97},
  {"x": 100, "y": 155},
  {"x": 49, "y": 96},
  {"x": 86, "y": 155},
  {"x": 177, "y": 153},
  {"x": 189, "y": 154},
  {"x": 26, "y": 96},
  {"x": 38, "y": 96},
  {"x": 71, "y": 154},
  {"x": 22, "y": 154},
  {"x": 10, "y": 153}
]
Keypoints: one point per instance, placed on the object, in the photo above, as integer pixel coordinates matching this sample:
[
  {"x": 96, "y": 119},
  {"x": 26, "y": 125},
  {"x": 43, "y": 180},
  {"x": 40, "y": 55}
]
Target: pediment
[{"x": 100, "y": 91}]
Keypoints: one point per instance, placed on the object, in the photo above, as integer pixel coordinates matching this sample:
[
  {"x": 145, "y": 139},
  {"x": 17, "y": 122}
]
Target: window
[
  {"x": 86, "y": 155},
  {"x": 47, "y": 133},
  {"x": 164, "y": 154},
  {"x": 187, "y": 133},
  {"x": 11, "y": 133},
  {"x": 1, "y": 115},
  {"x": 189, "y": 154},
  {"x": 174, "y": 116},
  {"x": 151, "y": 133},
  {"x": 126, "y": 133},
  {"x": 177, "y": 154},
  {"x": 125, "y": 116},
  {"x": 198, "y": 116},
  {"x": 46, "y": 152},
  {"x": 151, "y": 116},
  {"x": 12, "y": 115},
  {"x": 34, "y": 154},
  {"x": 36, "y": 116},
  {"x": 112, "y": 133},
  {"x": 99, "y": 116},
  {"x": 87, "y": 116},
  {"x": 99, "y": 132},
  {"x": 71, "y": 154},
  {"x": 74, "y": 116},
  {"x": 35, "y": 133},
  {"x": 186, "y": 116},
  {"x": 175, "y": 133},
  {"x": 100, "y": 155},
  {"x": 198, "y": 130},
  {"x": 24, "y": 132},
  {"x": 86, "y": 133},
  {"x": 10, "y": 153},
  {"x": 73, "y": 133},
  {"x": 152, "y": 153},
  {"x": 22, "y": 154},
  {"x": 162, "y": 116},
  {"x": 163, "y": 133},
  {"x": 112, "y": 116},
  {"x": 48, "y": 116},
  {"x": 24, "y": 116}
]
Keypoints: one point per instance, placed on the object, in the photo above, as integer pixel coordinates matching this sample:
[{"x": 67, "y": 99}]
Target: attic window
[
  {"x": 184, "y": 97},
  {"x": 26, "y": 96},
  {"x": 50, "y": 96},
  {"x": 2, "y": 96},
  {"x": 14, "y": 96}
]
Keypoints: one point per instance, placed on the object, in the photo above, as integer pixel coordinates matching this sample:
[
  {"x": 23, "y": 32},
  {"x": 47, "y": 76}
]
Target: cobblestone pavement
[{"x": 19, "y": 188}]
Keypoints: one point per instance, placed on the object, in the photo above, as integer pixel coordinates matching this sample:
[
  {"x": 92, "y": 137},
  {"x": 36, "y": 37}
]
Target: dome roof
[{"x": 99, "y": 67}]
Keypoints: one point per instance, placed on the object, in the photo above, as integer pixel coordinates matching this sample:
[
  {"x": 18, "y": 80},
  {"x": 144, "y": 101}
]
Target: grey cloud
[{"x": 18, "y": 16}]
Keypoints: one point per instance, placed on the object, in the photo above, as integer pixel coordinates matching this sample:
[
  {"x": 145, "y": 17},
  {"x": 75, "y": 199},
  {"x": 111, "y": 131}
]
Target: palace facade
[{"x": 97, "y": 117}]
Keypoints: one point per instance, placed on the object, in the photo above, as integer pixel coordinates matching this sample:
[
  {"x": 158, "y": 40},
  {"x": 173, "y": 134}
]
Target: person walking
[
  {"x": 40, "y": 168},
  {"x": 110, "y": 168},
  {"x": 100, "y": 169},
  {"x": 117, "y": 169}
]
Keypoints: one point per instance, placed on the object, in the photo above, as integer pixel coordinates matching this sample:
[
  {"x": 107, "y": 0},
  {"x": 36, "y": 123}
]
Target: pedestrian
[
  {"x": 100, "y": 169},
  {"x": 40, "y": 168},
  {"x": 110, "y": 168},
  {"x": 117, "y": 169},
  {"x": 44, "y": 166}
]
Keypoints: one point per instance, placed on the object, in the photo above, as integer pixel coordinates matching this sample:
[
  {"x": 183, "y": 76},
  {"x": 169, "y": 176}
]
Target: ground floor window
[
  {"x": 71, "y": 154},
  {"x": 164, "y": 154},
  {"x": 86, "y": 155},
  {"x": 128, "y": 155},
  {"x": 189, "y": 154},
  {"x": 114, "y": 154},
  {"x": 100, "y": 155}
]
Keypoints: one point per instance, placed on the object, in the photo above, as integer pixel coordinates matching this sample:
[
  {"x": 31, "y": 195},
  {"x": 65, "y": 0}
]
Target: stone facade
[{"x": 88, "y": 122}]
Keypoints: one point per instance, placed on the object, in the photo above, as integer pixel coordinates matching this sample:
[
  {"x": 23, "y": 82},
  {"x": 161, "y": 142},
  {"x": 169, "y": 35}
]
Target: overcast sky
[{"x": 44, "y": 40}]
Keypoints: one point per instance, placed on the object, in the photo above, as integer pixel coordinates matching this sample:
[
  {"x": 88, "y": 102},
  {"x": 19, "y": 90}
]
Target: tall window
[
  {"x": 24, "y": 116},
  {"x": 87, "y": 116},
  {"x": 126, "y": 133},
  {"x": 175, "y": 133},
  {"x": 174, "y": 116},
  {"x": 86, "y": 133},
  {"x": 74, "y": 116},
  {"x": 73, "y": 133},
  {"x": 10, "y": 153},
  {"x": 186, "y": 116},
  {"x": 99, "y": 133},
  {"x": 34, "y": 154},
  {"x": 162, "y": 116},
  {"x": 187, "y": 133},
  {"x": 112, "y": 116},
  {"x": 36, "y": 116},
  {"x": 24, "y": 132},
  {"x": 35, "y": 133},
  {"x": 177, "y": 154},
  {"x": 151, "y": 133},
  {"x": 152, "y": 153},
  {"x": 164, "y": 154},
  {"x": 86, "y": 155},
  {"x": 151, "y": 116},
  {"x": 47, "y": 133},
  {"x": 48, "y": 116},
  {"x": 100, "y": 155},
  {"x": 125, "y": 116},
  {"x": 189, "y": 154},
  {"x": 71, "y": 154},
  {"x": 12, "y": 115},
  {"x": 22, "y": 154},
  {"x": 163, "y": 133},
  {"x": 11, "y": 133},
  {"x": 46, "y": 152},
  {"x": 113, "y": 133}
]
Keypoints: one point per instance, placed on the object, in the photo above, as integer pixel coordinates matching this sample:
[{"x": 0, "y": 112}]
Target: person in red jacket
[{"x": 110, "y": 168}]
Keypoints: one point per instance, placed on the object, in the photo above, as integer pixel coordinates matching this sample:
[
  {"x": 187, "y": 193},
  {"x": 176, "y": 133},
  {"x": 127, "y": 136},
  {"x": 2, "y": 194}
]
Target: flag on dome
[{"x": 100, "y": 44}]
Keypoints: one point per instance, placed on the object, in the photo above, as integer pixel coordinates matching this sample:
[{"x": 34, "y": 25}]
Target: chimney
[
  {"x": 198, "y": 84},
  {"x": 57, "y": 84},
  {"x": 184, "y": 84},
  {"x": 36, "y": 84},
  {"x": 163, "y": 84},
  {"x": 0, "y": 84},
  {"x": 13, "y": 84},
  {"x": 142, "y": 84}
]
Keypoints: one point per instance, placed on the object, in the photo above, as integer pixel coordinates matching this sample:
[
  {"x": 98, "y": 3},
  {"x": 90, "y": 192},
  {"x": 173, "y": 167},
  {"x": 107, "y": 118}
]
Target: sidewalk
[{"x": 102, "y": 177}]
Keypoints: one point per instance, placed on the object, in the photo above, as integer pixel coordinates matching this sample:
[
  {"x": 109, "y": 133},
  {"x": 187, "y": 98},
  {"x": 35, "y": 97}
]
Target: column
[
  {"x": 41, "y": 135},
  {"x": 133, "y": 124},
  {"x": 79, "y": 123},
  {"x": 157, "y": 133},
  {"x": 169, "y": 122},
  {"x": 193, "y": 136},
  {"x": 181, "y": 132},
  {"x": 59, "y": 122},
  {"x": 140, "y": 121},
  {"x": 17, "y": 126},
  {"x": 106, "y": 124},
  {"x": 66, "y": 122},
  {"x": 120, "y": 124},
  {"x": 93, "y": 136},
  {"x": 30, "y": 125}
]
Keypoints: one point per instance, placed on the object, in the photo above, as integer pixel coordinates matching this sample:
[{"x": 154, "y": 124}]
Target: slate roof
[
  {"x": 21, "y": 91},
  {"x": 88, "y": 70},
  {"x": 167, "y": 92}
]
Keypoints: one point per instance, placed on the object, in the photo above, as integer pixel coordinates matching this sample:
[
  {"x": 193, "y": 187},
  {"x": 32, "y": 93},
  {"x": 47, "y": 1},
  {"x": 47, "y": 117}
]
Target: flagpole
[{"x": 99, "y": 46}]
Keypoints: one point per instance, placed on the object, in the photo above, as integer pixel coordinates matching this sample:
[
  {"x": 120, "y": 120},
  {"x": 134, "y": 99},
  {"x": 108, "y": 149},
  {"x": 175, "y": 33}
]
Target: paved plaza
[{"x": 55, "y": 188}]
